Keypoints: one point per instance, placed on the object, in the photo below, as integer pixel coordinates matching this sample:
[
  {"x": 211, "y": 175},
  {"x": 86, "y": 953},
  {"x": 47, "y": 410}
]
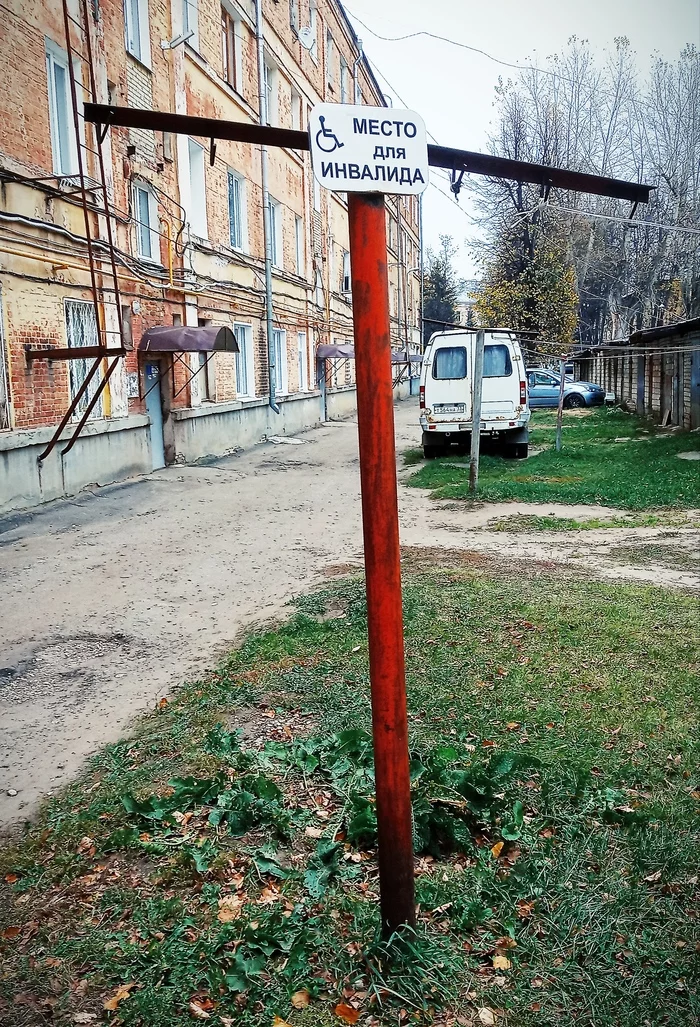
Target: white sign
[{"x": 368, "y": 149}]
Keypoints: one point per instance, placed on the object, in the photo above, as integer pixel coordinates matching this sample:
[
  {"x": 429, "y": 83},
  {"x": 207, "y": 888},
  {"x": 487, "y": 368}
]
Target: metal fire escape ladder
[{"x": 95, "y": 203}]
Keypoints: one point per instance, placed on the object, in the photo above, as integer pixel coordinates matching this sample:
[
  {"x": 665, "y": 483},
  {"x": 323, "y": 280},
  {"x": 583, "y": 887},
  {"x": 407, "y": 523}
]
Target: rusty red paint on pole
[{"x": 380, "y": 521}]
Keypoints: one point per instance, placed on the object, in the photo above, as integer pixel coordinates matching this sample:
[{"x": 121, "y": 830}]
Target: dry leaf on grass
[
  {"x": 277, "y": 1021},
  {"x": 347, "y": 1013},
  {"x": 11, "y": 878},
  {"x": 120, "y": 995},
  {"x": 198, "y": 1012},
  {"x": 229, "y": 908},
  {"x": 10, "y": 933},
  {"x": 301, "y": 999},
  {"x": 501, "y": 963},
  {"x": 84, "y": 1018},
  {"x": 487, "y": 1016},
  {"x": 497, "y": 849}
]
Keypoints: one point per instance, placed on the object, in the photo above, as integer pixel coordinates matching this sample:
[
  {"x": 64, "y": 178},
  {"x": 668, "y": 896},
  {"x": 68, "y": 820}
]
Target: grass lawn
[
  {"x": 641, "y": 473},
  {"x": 197, "y": 873}
]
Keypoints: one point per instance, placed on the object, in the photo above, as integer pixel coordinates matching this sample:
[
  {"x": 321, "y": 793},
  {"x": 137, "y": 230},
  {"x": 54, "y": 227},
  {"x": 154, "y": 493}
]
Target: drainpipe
[
  {"x": 267, "y": 234},
  {"x": 354, "y": 70}
]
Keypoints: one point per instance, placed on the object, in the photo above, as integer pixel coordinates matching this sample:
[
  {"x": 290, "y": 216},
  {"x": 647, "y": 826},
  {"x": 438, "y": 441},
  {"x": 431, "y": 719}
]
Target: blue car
[{"x": 543, "y": 388}]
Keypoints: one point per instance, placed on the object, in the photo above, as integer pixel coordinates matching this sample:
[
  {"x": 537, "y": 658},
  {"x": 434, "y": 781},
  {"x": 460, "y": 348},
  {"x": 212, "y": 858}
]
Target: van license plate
[{"x": 449, "y": 408}]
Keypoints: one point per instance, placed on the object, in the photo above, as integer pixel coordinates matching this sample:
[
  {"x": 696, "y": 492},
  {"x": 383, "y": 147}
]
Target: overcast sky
[{"x": 453, "y": 89}]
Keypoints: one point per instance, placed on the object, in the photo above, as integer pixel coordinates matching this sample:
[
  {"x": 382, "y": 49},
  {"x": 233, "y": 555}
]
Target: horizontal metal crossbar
[
  {"x": 73, "y": 352},
  {"x": 438, "y": 156}
]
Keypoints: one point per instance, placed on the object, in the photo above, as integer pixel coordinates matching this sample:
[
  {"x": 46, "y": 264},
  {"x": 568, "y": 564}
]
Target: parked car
[
  {"x": 544, "y": 390},
  {"x": 446, "y": 392}
]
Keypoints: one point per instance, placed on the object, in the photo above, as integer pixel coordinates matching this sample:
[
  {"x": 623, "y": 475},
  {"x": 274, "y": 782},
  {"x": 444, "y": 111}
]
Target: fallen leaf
[
  {"x": 656, "y": 876},
  {"x": 513, "y": 725},
  {"x": 162, "y": 703},
  {"x": 11, "y": 878},
  {"x": 84, "y": 1018},
  {"x": 198, "y": 1012},
  {"x": 229, "y": 908},
  {"x": 487, "y": 1016},
  {"x": 301, "y": 999},
  {"x": 11, "y": 932},
  {"x": 85, "y": 844},
  {"x": 277, "y": 1021},
  {"x": 120, "y": 994},
  {"x": 497, "y": 849},
  {"x": 347, "y": 1013},
  {"x": 487, "y": 744},
  {"x": 501, "y": 963},
  {"x": 313, "y": 832}
]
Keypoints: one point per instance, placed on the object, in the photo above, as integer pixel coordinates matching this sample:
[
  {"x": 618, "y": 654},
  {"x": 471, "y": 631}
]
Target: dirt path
[{"x": 111, "y": 598}]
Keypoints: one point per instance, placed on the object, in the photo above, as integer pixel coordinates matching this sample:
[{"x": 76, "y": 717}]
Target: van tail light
[
  {"x": 523, "y": 393},
  {"x": 421, "y": 397}
]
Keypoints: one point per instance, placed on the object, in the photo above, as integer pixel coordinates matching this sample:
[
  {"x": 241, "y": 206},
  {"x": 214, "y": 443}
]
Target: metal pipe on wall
[{"x": 267, "y": 234}]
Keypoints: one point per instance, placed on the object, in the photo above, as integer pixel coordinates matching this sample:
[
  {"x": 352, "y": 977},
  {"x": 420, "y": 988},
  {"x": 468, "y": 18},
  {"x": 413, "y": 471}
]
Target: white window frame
[
  {"x": 358, "y": 89},
  {"x": 244, "y": 360},
  {"x": 239, "y": 240},
  {"x": 78, "y": 369},
  {"x": 276, "y": 237},
  {"x": 153, "y": 233},
  {"x": 279, "y": 336},
  {"x": 190, "y": 21},
  {"x": 313, "y": 25},
  {"x": 197, "y": 213},
  {"x": 346, "y": 283},
  {"x": 56, "y": 57},
  {"x": 330, "y": 46},
  {"x": 235, "y": 18},
  {"x": 302, "y": 362},
  {"x": 344, "y": 76},
  {"x": 299, "y": 247},
  {"x": 137, "y": 30},
  {"x": 296, "y": 110},
  {"x": 294, "y": 14},
  {"x": 271, "y": 86}
]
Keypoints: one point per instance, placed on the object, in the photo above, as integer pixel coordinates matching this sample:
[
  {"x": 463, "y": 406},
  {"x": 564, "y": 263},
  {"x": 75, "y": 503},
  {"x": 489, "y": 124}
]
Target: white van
[{"x": 446, "y": 386}]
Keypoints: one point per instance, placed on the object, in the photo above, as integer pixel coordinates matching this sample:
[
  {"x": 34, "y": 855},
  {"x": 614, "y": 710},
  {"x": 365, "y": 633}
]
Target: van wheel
[
  {"x": 521, "y": 450},
  {"x": 430, "y": 452}
]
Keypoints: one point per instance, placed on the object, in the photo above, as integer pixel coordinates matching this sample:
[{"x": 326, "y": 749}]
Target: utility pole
[
  {"x": 476, "y": 411},
  {"x": 560, "y": 405},
  {"x": 380, "y": 526}
]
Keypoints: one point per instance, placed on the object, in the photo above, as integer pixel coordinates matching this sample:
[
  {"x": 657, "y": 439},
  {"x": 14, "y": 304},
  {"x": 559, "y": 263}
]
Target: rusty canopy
[
  {"x": 344, "y": 351},
  {"x": 186, "y": 339}
]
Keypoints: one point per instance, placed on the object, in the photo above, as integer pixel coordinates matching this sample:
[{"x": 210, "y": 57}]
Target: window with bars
[{"x": 81, "y": 330}]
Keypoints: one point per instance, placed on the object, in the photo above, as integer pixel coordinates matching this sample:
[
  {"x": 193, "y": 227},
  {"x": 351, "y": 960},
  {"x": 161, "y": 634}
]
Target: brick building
[{"x": 187, "y": 225}]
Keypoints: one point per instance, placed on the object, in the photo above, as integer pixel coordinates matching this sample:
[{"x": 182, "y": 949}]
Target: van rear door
[
  {"x": 500, "y": 392},
  {"x": 447, "y": 384}
]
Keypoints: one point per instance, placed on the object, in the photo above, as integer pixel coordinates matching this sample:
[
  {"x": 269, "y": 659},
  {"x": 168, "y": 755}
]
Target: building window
[
  {"x": 198, "y": 200},
  {"x": 299, "y": 246},
  {"x": 270, "y": 86},
  {"x": 190, "y": 21},
  {"x": 330, "y": 61},
  {"x": 203, "y": 382},
  {"x": 230, "y": 48},
  {"x": 138, "y": 41},
  {"x": 81, "y": 330},
  {"x": 280, "y": 341},
  {"x": 313, "y": 25},
  {"x": 346, "y": 285},
  {"x": 244, "y": 360},
  {"x": 294, "y": 14},
  {"x": 296, "y": 110},
  {"x": 237, "y": 211},
  {"x": 276, "y": 232},
  {"x": 146, "y": 219},
  {"x": 303, "y": 362},
  {"x": 63, "y": 148},
  {"x": 358, "y": 89},
  {"x": 344, "y": 81}
]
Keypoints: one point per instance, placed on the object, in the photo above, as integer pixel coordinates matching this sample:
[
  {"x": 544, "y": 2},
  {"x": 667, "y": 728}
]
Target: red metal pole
[{"x": 380, "y": 520}]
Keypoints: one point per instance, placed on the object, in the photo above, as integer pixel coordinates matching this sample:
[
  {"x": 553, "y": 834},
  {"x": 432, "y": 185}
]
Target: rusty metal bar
[
  {"x": 72, "y": 352},
  {"x": 438, "y": 156},
  {"x": 380, "y": 525},
  {"x": 91, "y": 404}
]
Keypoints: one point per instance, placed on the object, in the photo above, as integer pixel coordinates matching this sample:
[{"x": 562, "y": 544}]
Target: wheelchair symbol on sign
[{"x": 326, "y": 140}]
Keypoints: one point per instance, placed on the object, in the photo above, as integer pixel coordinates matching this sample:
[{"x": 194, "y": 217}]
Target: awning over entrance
[
  {"x": 346, "y": 352},
  {"x": 186, "y": 339}
]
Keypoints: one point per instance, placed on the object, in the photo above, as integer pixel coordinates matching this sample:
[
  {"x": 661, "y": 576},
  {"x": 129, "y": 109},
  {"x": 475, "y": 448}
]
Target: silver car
[{"x": 543, "y": 388}]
